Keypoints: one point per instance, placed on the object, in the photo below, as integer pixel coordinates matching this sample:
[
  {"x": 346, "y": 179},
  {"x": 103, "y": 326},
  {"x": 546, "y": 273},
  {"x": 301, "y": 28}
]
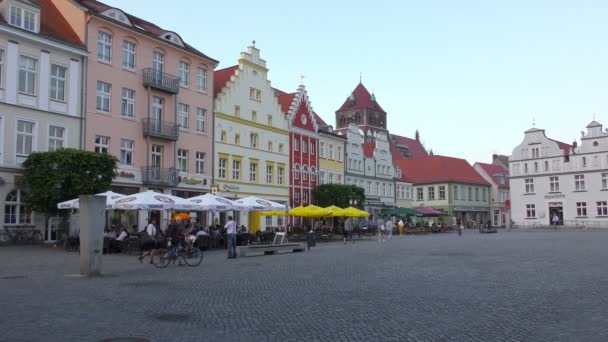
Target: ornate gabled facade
[
  {"x": 252, "y": 151},
  {"x": 304, "y": 145},
  {"x": 552, "y": 182}
]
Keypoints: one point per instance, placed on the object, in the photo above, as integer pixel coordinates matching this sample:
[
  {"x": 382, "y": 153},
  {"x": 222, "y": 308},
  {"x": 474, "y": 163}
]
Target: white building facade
[{"x": 557, "y": 183}]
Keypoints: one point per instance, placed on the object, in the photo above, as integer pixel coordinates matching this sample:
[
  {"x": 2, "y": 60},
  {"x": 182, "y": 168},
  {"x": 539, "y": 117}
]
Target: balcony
[
  {"x": 160, "y": 129},
  {"x": 155, "y": 176},
  {"x": 161, "y": 81}
]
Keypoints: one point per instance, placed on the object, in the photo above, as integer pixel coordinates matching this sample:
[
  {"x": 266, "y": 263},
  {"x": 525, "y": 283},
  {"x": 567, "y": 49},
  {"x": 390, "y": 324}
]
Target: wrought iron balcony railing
[
  {"x": 160, "y": 129},
  {"x": 161, "y": 81},
  {"x": 156, "y": 176}
]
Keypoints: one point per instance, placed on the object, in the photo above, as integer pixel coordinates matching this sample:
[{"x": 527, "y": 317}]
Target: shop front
[{"x": 472, "y": 217}]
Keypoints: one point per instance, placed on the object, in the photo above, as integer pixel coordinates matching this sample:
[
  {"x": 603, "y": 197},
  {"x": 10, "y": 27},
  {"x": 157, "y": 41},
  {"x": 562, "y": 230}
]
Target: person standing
[
  {"x": 148, "y": 241},
  {"x": 230, "y": 227},
  {"x": 381, "y": 230},
  {"x": 389, "y": 229},
  {"x": 555, "y": 220}
]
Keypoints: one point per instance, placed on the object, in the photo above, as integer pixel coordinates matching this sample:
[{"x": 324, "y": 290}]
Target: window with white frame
[
  {"x": 182, "y": 115},
  {"x": 339, "y": 179},
  {"x": 128, "y": 55},
  {"x": 200, "y": 120},
  {"x": 237, "y": 139},
  {"x": 546, "y": 166},
  {"x": 296, "y": 172},
  {"x": 236, "y": 169},
  {"x": 456, "y": 197},
  {"x": 322, "y": 176},
  {"x": 1, "y": 65},
  {"x": 102, "y": 144},
  {"x": 296, "y": 196},
  {"x": 184, "y": 74},
  {"x": 602, "y": 208},
  {"x": 201, "y": 80},
  {"x": 554, "y": 184},
  {"x": 56, "y": 138},
  {"x": 103, "y": 97},
  {"x": 579, "y": 182},
  {"x": 331, "y": 152},
  {"x": 419, "y": 194},
  {"x": 442, "y": 192},
  {"x": 431, "y": 193},
  {"x": 529, "y": 185},
  {"x": 581, "y": 209},
  {"x": 200, "y": 163},
  {"x": 253, "y": 140},
  {"x": 27, "y": 75},
  {"x": 305, "y": 196},
  {"x": 470, "y": 194},
  {"x": 182, "y": 160},
  {"x": 476, "y": 194},
  {"x": 304, "y": 147},
  {"x": 296, "y": 144},
  {"x": 104, "y": 46},
  {"x": 269, "y": 171},
  {"x": 339, "y": 153},
  {"x": 58, "y": 82},
  {"x": 26, "y": 132},
  {"x": 312, "y": 148},
  {"x": 321, "y": 149},
  {"x": 222, "y": 168},
  {"x": 128, "y": 103},
  {"x": 126, "y": 152},
  {"x": 280, "y": 175},
  {"x": 305, "y": 173},
  {"x": 530, "y": 210},
  {"x": 23, "y": 18},
  {"x": 605, "y": 180},
  {"x": 268, "y": 221},
  {"x": 15, "y": 211},
  {"x": 253, "y": 172}
]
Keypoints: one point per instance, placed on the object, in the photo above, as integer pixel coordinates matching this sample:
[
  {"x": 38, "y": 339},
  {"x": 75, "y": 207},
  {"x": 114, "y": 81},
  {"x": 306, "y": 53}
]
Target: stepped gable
[{"x": 222, "y": 77}]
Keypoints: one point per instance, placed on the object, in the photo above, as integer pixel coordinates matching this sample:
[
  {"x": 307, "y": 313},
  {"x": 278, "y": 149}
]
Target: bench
[{"x": 243, "y": 251}]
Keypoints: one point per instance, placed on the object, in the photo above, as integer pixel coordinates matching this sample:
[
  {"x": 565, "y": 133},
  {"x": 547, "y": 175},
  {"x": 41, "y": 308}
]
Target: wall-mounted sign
[
  {"x": 555, "y": 196},
  {"x": 125, "y": 174},
  {"x": 229, "y": 187}
]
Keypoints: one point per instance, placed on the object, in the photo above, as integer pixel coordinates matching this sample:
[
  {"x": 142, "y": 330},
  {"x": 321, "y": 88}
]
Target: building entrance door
[{"x": 556, "y": 214}]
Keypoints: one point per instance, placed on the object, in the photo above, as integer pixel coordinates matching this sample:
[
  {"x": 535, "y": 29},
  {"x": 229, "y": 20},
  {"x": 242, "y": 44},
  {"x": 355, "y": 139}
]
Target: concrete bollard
[{"x": 92, "y": 221}]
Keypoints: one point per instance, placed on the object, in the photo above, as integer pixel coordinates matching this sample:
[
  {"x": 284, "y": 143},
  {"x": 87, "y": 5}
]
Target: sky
[{"x": 471, "y": 76}]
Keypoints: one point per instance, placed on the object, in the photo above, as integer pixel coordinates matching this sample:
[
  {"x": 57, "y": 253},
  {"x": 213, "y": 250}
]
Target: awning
[{"x": 430, "y": 212}]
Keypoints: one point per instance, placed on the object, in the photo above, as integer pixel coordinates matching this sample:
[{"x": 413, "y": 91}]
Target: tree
[
  {"x": 53, "y": 177},
  {"x": 338, "y": 194}
]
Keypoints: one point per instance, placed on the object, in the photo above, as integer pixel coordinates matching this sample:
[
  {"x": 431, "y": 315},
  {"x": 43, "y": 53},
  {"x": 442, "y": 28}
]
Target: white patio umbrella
[
  {"x": 210, "y": 202},
  {"x": 152, "y": 200},
  {"x": 253, "y": 203},
  {"x": 75, "y": 203}
]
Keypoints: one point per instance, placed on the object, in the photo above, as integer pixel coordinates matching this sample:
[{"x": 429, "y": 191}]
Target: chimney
[{"x": 494, "y": 157}]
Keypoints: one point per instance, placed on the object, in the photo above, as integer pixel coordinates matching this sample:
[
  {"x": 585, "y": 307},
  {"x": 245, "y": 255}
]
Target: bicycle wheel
[
  {"x": 192, "y": 256},
  {"x": 161, "y": 258},
  {"x": 4, "y": 237}
]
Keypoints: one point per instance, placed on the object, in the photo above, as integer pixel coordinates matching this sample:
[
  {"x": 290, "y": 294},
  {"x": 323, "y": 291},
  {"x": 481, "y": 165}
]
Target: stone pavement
[{"x": 510, "y": 286}]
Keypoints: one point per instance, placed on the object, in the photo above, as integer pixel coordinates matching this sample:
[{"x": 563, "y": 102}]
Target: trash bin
[{"x": 310, "y": 240}]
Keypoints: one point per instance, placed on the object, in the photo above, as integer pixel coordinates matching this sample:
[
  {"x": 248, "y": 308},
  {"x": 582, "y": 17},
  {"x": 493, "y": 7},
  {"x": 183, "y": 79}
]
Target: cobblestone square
[{"x": 510, "y": 286}]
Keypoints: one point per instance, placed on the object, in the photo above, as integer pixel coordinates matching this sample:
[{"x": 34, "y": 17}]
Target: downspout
[{"x": 83, "y": 102}]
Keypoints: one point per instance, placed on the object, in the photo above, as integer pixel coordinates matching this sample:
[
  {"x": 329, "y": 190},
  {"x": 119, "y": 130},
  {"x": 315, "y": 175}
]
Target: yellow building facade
[{"x": 332, "y": 149}]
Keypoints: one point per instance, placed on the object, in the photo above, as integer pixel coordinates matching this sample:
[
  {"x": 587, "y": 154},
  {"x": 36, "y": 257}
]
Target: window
[
  {"x": 304, "y": 173},
  {"x": 605, "y": 180},
  {"x": 280, "y": 175},
  {"x": 184, "y": 74},
  {"x": 223, "y": 136},
  {"x": 23, "y": 18},
  {"x": 546, "y": 166},
  {"x": 56, "y": 138},
  {"x": 339, "y": 153},
  {"x": 253, "y": 172},
  {"x": 158, "y": 64},
  {"x": 15, "y": 211},
  {"x": 529, "y": 185},
  {"x": 128, "y": 103},
  {"x": 305, "y": 197},
  {"x": 236, "y": 169},
  {"x": 296, "y": 144},
  {"x": 483, "y": 194},
  {"x": 103, "y": 97},
  {"x": 102, "y": 144},
  {"x": 25, "y": 139},
  {"x": 200, "y": 163},
  {"x": 384, "y": 190},
  {"x": 331, "y": 177},
  {"x": 270, "y": 146},
  {"x": 296, "y": 196},
  {"x": 530, "y": 211},
  {"x": 237, "y": 139},
  {"x": 269, "y": 169},
  {"x": 304, "y": 147},
  {"x": 255, "y": 94},
  {"x": 222, "y": 168},
  {"x": 269, "y": 120},
  {"x": 1, "y": 63},
  {"x": 254, "y": 115},
  {"x": 321, "y": 149},
  {"x": 581, "y": 208},
  {"x": 27, "y": 75},
  {"x": 253, "y": 140},
  {"x": 126, "y": 152},
  {"x": 280, "y": 148},
  {"x": 322, "y": 176},
  {"x": 476, "y": 194},
  {"x": 201, "y": 80},
  {"x": 420, "y": 194},
  {"x": 182, "y": 115},
  {"x": 470, "y": 194},
  {"x": 312, "y": 148},
  {"x": 237, "y": 111},
  {"x": 554, "y": 184},
  {"x": 602, "y": 208},
  {"x": 431, "y": 191},
  {"x": 579, "y": 182},
  {"x": 104, "y": 47},
  {"x": 58, "y": 82},
  {"x": 200, "y": 120},
  {"x": 128, "y": 55},
  {"x": 182, "y": 160},
  {"x": 526, "y": 168},
  {"x": 331, "y": 151},
  {"x": 584, "y": 161},
  {"x": 296, "y": 172},
  {"x": 455, "y": 192},
  {"x": 442, "y": 192}
]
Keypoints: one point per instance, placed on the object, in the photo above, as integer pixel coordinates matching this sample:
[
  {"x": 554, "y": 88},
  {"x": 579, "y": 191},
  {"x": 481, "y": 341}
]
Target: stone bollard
[{"x": 92, "y": 221}]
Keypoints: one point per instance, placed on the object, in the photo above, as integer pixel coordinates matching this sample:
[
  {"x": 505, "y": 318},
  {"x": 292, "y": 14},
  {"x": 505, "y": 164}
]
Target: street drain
[
  {"x": 126, "y": 339},
  {"x": 172, "y": 317},
  {"x": 8, "y": 277}
]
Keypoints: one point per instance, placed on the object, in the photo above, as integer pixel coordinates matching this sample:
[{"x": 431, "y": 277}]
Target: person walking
[
  {"x": 230, "y": 227},
  {"x": 460, "y": 229},
  {"x": 381, "y": 230},
  {"x": 389, "y": 229},
  {"x": 148, "y": 245}
]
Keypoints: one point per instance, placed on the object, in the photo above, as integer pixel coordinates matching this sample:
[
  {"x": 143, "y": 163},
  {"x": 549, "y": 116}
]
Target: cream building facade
[{"x": 331, "y": 156}]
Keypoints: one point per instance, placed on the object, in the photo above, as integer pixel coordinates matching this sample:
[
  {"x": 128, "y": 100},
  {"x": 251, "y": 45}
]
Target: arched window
[
  {"x": 14, "y": 209},
  {"x": 305, "y": 173},
  {"x": 313, "y": 174},
  {"x": 296, "y": 172}
]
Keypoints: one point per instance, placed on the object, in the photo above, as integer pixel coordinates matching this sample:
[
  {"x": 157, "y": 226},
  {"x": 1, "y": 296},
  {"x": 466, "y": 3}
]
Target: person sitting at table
[{"x": 123, "y": 234}]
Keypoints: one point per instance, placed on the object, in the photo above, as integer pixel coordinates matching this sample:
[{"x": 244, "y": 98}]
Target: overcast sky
[{"x": 471, "y": 76}]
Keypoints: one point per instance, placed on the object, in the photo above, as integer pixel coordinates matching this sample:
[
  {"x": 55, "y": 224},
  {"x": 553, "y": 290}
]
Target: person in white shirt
[
  {"x": 123, "y": 235},
  {"x": 148, "y": 241},
  {"x": 230, "y": 227}
]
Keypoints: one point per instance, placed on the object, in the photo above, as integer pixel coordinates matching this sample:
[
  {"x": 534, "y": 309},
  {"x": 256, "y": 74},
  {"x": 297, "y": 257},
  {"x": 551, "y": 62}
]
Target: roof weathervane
[
  {"x": 253, "y": 42},
  {"x": 360, "y": 77},
  {"x": 533, "y": 122},
  {"x": 302, "y": 77}
]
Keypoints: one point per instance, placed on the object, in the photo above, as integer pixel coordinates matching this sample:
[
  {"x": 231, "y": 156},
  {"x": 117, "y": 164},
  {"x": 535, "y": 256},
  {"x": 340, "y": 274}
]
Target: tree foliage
[
  {"x": 53, "y": 177},
  {"x": 337, "y": 194}
]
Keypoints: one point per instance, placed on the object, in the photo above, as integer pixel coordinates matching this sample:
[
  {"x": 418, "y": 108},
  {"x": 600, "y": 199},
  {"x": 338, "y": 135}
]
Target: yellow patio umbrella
[
  {"x": 308, "y": 211},
  {"x": 334, "y": 211},
  {"x": 354, "y": 212},
  {"x": 272, "y": 213}
]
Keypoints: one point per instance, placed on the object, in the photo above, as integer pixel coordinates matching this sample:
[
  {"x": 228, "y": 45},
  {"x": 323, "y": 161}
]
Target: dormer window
[
  {"x": 24, "y": 18},
  {"x": 173, "y": 38}
]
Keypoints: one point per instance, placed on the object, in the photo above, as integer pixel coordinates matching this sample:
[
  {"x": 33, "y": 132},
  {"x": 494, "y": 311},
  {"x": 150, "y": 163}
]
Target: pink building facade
[{"x": 149, "y": 102}]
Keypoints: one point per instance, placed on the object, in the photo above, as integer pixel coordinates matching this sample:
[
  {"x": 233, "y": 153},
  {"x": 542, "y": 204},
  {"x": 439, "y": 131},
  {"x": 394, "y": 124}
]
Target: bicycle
[
  {"x": 191, "y": 255},
  {"x": 20, "y": 235}
]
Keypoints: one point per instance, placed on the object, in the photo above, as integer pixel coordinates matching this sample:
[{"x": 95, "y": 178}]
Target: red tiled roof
[
  {"x": 54, "y": 25},
  {"x": 368, "y": 149},
  {"x": 221, "y": 78},
  {"x": 363, "y": 99},
  {"x": 278, "y": 92},
  {"x": 438, "y": 169},
  {"x": 148, "y": 27},
  {"x": 320, "y": 121},
  {"x": 285, "y": 101},
  {"x": 563, "y": 146},
  {"x": 493, "y": 171},
  {"x": 414, "y": 146}
]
